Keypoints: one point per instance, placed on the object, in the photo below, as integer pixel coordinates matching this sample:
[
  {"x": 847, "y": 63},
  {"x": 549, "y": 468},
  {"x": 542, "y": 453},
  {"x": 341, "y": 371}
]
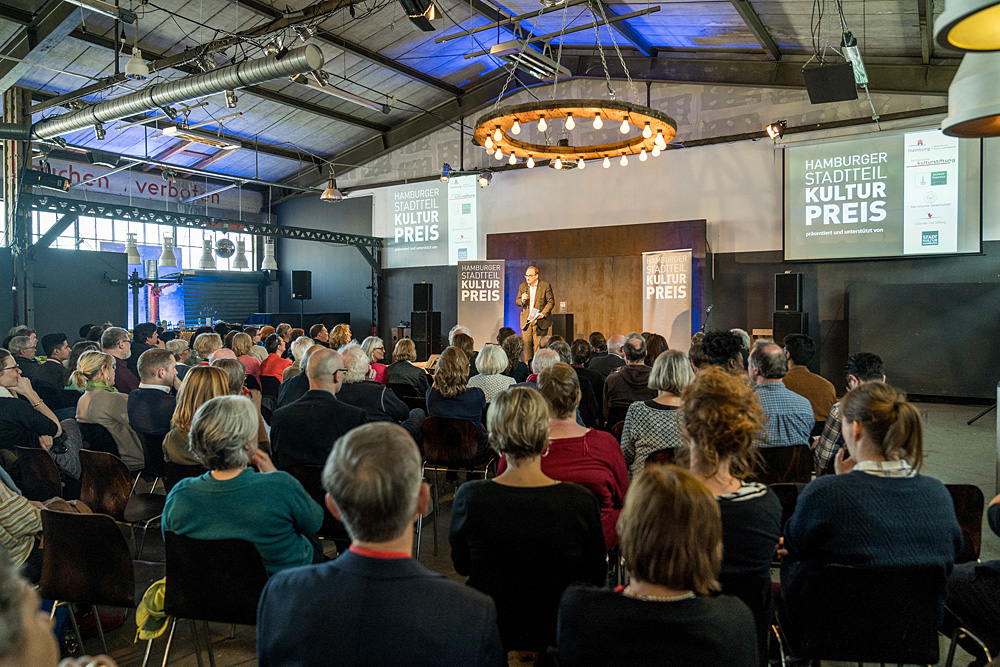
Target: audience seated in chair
[
  {"x": 721, "y": 420},
  {"x": 671, "y": 541},
  {"x": 630, "y": 383},
  {"x": 52, "y": 374},
  {"x": 316, "y": 616},
  {"x": 974, "y": 591},
  {"x": 800, "y": 350},
  {"x": 653, "y": 425},
  {"x": 263, "y": 506},
  {"x": 789, "y": 417},
  {"x": 451, "y": 397},
  {"x": 374, "y": 347},
  {"x": 523, "y": 536},
  {"x": 513, "y": 347},
  {"x": 200, "y": 384},
  {"x": 861, "y": 367},
  {"x": 304, "y": 431},
  {"x": 296, "y": 386},
  {"x": 274, "y": 365},
  {"x": 25, "y": 419},
  {"x": 115, "y": 342},
  {"x": 402, "y": 370},
  {"x": 877, "y": 511},
  {"x": 378, "y": 401},
  {"x": 104, "y": 405},
  {"x": 299, "y": 350},
  {"x": 492, "y": 363},
  {"x": 578, "y": 454},
  {"x": 151, "y": 406},
  {"x": 237, "y": 374}
]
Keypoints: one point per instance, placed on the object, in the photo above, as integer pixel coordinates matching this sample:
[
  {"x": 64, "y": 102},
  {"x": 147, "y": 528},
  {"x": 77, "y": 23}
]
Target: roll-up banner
[
  {"x": 480, "y": 298},
  {"x": 666, "y": 296}
]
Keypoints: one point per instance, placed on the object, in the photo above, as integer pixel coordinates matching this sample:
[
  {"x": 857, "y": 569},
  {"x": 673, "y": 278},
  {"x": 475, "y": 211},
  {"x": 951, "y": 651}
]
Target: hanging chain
[
  {"x": 555, "y": 83},
  {"x": 635, "y": 93},
  {"x": 513, "y": 69},
  {"x": 600, "y": 50}
]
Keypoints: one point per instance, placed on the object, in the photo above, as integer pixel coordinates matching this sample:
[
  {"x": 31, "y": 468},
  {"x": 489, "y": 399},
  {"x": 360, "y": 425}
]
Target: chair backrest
[
  {"x": 788, "y": 496},
  {"x": 869, "y": 615},
  {"x": 968, "y": 500},
  {"x": 175, "y": 472},
  {"x": 213, "y": 580},
  {"x": 786, "y": 464},
  {"x": 105, "y": 484},
  {"x": 86, "y": 560},
  {"x": 152, "y": 454},
  {"x": 660, "y": 457},
  {"x": 450, "y": 441},
  {"x": 269, "y": 386},
  {"x": 98, "y": 438},
  {"x": 311, "y": 479},
  {"x": 403, "y": 389},
  {"x": 415, "y": 402},
  {"x": 617, "y": 414},
  {"x": 616, "y": 431},
  {"x": 37, "y": 473}
]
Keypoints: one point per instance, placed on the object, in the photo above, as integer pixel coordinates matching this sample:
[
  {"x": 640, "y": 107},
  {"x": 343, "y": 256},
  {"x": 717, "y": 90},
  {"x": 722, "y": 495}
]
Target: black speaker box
[
  {"x": 830, "y": 83},
  {"x": 783, "y": 323},
  {"x": 425, "y": 330},
  {"x": 302, "y": 282},
  {"x": 788, "y": 292},
  {"x": 423, "y": 297}
]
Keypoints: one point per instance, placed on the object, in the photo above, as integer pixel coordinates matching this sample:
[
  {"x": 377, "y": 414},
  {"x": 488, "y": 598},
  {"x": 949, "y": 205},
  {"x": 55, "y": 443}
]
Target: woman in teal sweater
[{"x": 232, "y": 501}]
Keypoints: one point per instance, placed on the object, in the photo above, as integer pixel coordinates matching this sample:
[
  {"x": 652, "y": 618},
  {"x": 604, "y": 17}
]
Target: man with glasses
[
  {"x": 23, "y": 349},
  {"x": 115, "y": 341},
  {"x": 303, "y": 432},
  {"x": 534, "y": 298}
]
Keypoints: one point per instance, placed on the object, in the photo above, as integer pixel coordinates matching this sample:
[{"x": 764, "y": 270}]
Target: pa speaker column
[{"x": 302, "y": 285}]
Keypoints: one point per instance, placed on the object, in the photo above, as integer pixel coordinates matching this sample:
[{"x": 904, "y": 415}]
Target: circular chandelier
[{"x": 643, "y": 130}]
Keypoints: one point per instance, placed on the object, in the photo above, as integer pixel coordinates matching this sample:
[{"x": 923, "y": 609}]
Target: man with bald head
[
  {"x": 614, "y": 359},
  {"x": 789, "y": 416},
  {"x": 295, "y": 387},
  {"x": 304, "y": 431}
]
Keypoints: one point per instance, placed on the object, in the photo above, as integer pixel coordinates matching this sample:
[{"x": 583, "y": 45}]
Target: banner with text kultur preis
[
  {"x": 666, "y": 296},
  {"x": 480, "y": 298}
]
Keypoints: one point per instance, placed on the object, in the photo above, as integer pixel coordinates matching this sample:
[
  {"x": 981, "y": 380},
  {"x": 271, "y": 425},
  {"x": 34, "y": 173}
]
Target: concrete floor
[{"x": 954, "y": 453}]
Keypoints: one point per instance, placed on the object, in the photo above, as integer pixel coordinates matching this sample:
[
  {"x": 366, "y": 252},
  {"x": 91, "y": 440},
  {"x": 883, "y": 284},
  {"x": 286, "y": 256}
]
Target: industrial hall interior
[{"x": 499, "y": 333}]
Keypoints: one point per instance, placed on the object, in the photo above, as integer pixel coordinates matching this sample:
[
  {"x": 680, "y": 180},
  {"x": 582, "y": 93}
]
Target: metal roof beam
[
  {"x": 266, "y": 10},
  {"x": 628, "y": 32},
  {"x": 32, "y": 42},
  {"x": 760, "y": 31},
  {"x": 925, "y": 8}
]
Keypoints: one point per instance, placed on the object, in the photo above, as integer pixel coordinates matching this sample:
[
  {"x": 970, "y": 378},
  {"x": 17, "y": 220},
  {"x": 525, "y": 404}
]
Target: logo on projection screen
[{"x": 928, "y": 238}]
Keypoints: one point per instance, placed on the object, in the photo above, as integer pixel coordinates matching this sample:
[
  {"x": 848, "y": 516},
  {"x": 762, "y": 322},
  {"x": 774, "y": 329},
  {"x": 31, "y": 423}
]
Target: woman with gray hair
[
  {"x": 380, "y": 402},
  {"x": 492, "y": 362},
  {"x": 374, "y": 347},
  {"x": 233, "y": 501},
  {"x": 653, "y": 425}
]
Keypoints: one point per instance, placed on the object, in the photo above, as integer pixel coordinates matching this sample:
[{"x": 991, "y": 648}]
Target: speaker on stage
[
  {"x": 830, "y": 83},
  {"x": 783, "y": 323},
  {"x": 788, "y": 292},
  {"x": 425, "y": 328},
  {"x": 423, "y": 297},
  {"x": 302, "y": 284}
]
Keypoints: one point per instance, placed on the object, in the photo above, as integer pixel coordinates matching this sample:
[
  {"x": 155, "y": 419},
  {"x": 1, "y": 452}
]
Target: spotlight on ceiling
[
  {"x": 136, "y": 68},
  {"x": 777, "y": 129},
  {"x": 231, "y": 99},
  {"x": 169, "y": 112},
  {"x": 445, "y": 172},
  {"x": 331, "y": 194},
  {"x": 485, "y": 178},
  {"x": 44, "y": 180},
  {"x": 99, "y": 132},
  {"x": 969, "y": 25},
  {"x": 421, "y": 13}
]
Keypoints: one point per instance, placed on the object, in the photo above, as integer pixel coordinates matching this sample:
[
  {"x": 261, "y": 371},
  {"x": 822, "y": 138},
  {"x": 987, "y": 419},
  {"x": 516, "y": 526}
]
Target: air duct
[
  {"x": 15, "y": 132},
  {"x": 304, "y": 59}
]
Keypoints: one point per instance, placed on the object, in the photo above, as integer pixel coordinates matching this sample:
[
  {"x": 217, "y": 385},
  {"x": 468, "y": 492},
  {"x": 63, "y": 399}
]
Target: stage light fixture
[
  {"x": 849, "y": 47},
  {"x": 167, "y": 256},
  {"x": 269, "y": 263},
  {"x": 44, "y": 179},
  {"x": 241, "y": 256},
  {"x": 103, "y": 158},
  {"x": 485, "y": 178},
  {"x": 445, "y": 172},
  {"x": 231, "y": 99},
  {"x": 207, "y": 259},
  {"x": 136, "y": 68},
  {"x": 974, "y": 98},
  {"x": 99, "y": 132},
  {"x": 776, "y": 130}
]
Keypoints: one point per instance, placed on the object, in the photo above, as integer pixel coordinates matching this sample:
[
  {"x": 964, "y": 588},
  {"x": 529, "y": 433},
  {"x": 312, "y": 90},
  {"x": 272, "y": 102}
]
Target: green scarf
[{"x": 99, "y": 385}]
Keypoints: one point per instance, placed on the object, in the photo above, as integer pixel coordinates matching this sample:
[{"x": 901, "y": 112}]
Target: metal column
[{"x": 17, "y": 218}]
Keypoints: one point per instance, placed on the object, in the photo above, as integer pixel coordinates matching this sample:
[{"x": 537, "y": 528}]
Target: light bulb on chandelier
[
  {"x": 542, "y": 125},
  {"x": 497, "y": 134},
  {"x": 515, "y": 128},
  {"x": 531, "y": 162},
  {"x": 660, "y": 141},
  {"x": 570, "y": 123},
  {"x": 489, "y": 143},
  {"x": 499, "y": 154},
  {"x": 607, "y": 162},
  {"x": 642, "y": 156},
  {"x": 598, "y": 123},
  {"x": 580, "y": 163},
  {"x": 513, "y": 160},
  {"x": 624, "y": 161},
  {"x": 624, "y": 128},
  {"x": 558, "y": 164},
  {"x": 656, "y": 151},
  {"x": 647, "y": 132}
]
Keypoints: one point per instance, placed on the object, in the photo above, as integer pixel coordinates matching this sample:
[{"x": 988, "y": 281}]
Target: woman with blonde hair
[
  {"x": 402, "y": 370},
  {"x": 242, "y": 346},
  {"x": 200, "y": 384},
  {"x": 102, "y": 404},
  {"x": 721, "y": 421},
  {"x": 340, "y": 336},
  {"x": 523, "y": 537},
  {"x": 206, "y": 344},
  {"x": 671, "y": 542},
  {"x": 451, "y": 397},
  {"x": 578, "y": 454},
  {"x": 654, "y": 425}
]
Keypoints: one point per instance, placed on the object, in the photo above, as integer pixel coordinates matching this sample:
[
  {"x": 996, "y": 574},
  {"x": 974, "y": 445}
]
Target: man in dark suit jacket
[
  {"x": 151, "y": 406},
  {"x": 375, "y": 605},
  {"x": 531, "y": 294},
  {"x": 304, "y": 431},
  {"x": 614, "y": 359},
  {"x": 296, "y": 386}
]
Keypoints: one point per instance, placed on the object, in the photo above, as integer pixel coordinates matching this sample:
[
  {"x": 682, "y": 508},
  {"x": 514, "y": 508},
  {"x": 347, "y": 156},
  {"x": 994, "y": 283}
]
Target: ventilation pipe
[{"x": 297, "y": 61}]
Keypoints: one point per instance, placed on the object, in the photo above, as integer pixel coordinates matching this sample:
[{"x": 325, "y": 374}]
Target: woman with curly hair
[
  {"x": 513, "y": 346},
  {"x": 720, "y": 421},
  {"x": 340, "y": 336}
]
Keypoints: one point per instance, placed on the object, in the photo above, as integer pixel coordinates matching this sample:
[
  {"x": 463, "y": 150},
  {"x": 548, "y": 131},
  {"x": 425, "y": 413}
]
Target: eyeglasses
[
  {"x": 339, "y": 370},
  {"x": 9, "y": 368}
]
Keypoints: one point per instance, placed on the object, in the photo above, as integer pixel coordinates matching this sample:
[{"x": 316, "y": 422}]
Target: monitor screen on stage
[
  {"x": 431, "y": 223},
  {"x": 891, "y": 194}
]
